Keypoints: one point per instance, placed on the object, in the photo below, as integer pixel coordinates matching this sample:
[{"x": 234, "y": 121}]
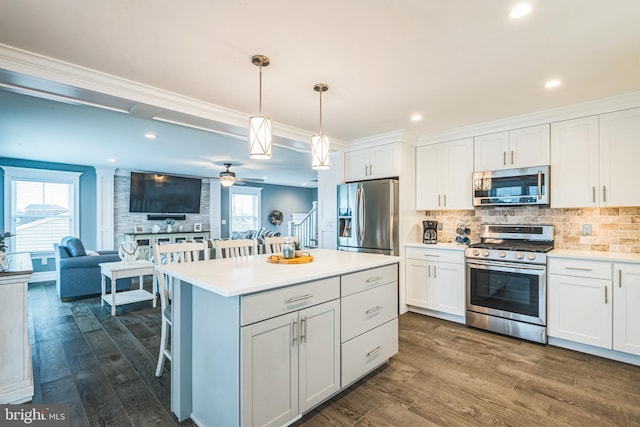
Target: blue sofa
[{"x": 78, "y": 274}]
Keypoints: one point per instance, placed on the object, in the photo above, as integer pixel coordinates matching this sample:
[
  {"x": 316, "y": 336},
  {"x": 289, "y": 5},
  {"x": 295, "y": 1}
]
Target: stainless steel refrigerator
[{"x": 368, "y": 216}]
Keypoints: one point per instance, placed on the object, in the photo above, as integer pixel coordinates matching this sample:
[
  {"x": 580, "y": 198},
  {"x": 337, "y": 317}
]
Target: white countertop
[
  {"x": 595, "y": 255},
  {"x": 245, "y": 275}
]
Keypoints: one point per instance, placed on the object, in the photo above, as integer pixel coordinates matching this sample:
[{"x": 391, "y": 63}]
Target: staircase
[{"x": 306, "y": 229}]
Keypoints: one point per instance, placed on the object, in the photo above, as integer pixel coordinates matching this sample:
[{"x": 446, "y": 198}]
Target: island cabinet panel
[
  {"x": 263, "y": 305},
  {"x": 364, "y": 311},
  {"x": 290, "y": 364},
  {"x": 367, "y": 279},
  {"x": 369, "y": 320}
]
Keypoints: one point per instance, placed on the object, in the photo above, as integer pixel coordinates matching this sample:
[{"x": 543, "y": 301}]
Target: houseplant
[{"x": 3, "y": 236}]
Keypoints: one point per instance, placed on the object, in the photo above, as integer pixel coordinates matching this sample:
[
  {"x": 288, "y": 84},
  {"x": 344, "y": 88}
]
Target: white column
[
  {"x": 327, "y": 201},
  {"x": 215, "y": 215},
  {"x": 105, "y": 197}
]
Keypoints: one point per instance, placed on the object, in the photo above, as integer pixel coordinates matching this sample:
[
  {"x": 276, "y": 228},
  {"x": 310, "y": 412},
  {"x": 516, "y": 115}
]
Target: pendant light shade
[
  {"x": 320, "y": 147},
  {"x": 260, "y": 125}
]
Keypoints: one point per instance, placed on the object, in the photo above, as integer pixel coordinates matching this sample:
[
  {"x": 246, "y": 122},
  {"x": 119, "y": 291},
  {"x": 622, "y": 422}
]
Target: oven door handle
[{"x": 485, "y": 264}]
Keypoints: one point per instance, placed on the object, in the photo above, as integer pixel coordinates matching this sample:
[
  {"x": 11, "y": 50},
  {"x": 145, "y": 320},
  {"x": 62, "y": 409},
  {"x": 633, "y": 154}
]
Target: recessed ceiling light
[
  {"x": 552, "y": 83},
  {"x": 111, "y": 160},
  {"x": 416, "y": 117},
  {"x": 150, "y": 135},
  {"x": 520, "y": 10}
]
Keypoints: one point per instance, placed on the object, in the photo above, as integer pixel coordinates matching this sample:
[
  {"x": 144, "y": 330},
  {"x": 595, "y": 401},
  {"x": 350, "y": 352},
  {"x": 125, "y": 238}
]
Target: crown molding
[
  {"x": 590, "y": 108},
  {"x": 382, "y": 139},
  {"x": 40, "y": 66}
]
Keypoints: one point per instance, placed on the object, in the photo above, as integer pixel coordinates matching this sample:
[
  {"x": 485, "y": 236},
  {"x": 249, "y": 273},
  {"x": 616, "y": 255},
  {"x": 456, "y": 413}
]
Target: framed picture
[
  {"x": 197, "y": 227},
  {"x": 137, "y": 228}
]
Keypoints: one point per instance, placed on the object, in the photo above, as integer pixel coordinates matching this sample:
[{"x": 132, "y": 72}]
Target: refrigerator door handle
[{"x": 361, "y": 213}]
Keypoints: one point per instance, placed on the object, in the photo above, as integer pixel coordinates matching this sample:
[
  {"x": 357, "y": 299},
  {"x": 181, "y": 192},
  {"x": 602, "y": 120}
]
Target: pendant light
[
  {"x": 320, "y": 148},
  {"x": 260, "y": 126}
]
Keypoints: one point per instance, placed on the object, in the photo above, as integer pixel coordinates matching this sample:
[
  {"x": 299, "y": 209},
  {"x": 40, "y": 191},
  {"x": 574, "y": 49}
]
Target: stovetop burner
[{"x": 513, "y": 243}]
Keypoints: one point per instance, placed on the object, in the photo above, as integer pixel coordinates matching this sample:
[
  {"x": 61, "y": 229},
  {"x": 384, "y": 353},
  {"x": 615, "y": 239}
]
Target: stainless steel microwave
[{"x": 508, "y": 187}]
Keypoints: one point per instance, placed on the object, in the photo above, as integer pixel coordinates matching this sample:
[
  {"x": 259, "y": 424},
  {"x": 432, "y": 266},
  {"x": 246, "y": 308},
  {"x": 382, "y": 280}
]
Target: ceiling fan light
[
  {"x": 320, "y": 152},
  {"x": 226, "y": 181},
  {"x": 260, "y": 137}
]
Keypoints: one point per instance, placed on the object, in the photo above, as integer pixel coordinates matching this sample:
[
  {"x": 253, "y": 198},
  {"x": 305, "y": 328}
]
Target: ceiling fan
[{"x": 228, "y": 178}]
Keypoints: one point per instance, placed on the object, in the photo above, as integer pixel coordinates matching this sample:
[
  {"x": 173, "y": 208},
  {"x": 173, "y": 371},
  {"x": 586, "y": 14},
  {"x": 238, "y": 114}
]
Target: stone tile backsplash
[{"x": 613, "y": 229}]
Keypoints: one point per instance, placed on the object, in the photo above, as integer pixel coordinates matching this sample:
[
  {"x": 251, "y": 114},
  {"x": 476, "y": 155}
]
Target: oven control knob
[
  {"x": 485, "y": 253},
  {"x": 519, "y": 255},
  {"x": 502, "y": 254},
  {"x": 532, "y": 256},
  {"x": 475, "y": 252}
]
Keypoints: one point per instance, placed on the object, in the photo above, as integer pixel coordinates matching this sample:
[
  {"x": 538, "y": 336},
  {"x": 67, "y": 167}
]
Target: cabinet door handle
[
  {"x": 438, "y": 200},
  {"x": 593, "y": 195},
  {"x": 604, "y": 193},
  {"x": 293, "y": 332},
  {"x": 374, "y": 309},
  {"x": 429, "y": 270},
  {"x": 432, "y": 255},
  {"x": 606, "y": 295},
  {"x": 300, "y": 298},
  {"x": 435, "y": 271},
  {"x": 303, "y": 329},
  {"x": 504, "y": 158},
  {"x": 579, "y": 268},
  {"x": 374, "y": 279},
  {"x": 374, "y": 351},
  {"x": 620, "y": 278},
  {"x": 511, "y": 156},
  {"x": 445, "y": 200}
]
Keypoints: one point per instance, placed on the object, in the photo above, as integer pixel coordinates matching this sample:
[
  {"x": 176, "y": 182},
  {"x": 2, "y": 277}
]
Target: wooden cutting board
[{"x": 279, "y": 259}]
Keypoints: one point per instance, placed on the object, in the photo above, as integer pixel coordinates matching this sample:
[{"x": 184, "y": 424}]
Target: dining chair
[
  {"x": 171, "y": 253},
  {"x": 236, "y": 248},
  {"x": 273, "y": 245}
]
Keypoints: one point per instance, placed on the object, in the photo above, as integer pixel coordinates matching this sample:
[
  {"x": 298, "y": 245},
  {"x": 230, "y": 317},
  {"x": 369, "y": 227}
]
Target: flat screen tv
[{"x": 158, "y": 193}]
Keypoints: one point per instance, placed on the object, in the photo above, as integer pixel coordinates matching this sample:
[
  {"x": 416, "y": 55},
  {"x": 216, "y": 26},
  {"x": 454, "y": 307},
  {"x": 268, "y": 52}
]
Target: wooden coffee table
[{"x": 121, "y": 270}]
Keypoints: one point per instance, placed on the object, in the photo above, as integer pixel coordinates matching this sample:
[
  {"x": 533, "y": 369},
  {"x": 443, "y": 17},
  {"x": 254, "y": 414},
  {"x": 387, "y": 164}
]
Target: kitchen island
[{"x": 256, "y": 343}]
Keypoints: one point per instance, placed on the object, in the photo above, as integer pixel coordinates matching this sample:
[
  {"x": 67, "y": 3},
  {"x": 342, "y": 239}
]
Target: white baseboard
[{"x": 43, "y": 276}]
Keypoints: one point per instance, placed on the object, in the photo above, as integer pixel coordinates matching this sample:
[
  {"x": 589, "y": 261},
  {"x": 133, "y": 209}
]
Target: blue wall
[
  {"x": 88, "y": 201},
  {"x": 286, "y": 199}
]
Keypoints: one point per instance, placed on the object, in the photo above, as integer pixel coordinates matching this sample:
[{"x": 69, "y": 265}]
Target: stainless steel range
[{"x": 506, "y": 280}]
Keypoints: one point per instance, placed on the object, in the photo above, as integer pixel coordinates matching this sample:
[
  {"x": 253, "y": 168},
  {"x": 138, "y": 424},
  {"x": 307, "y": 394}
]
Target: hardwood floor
[{"x": 444, "y": 375}]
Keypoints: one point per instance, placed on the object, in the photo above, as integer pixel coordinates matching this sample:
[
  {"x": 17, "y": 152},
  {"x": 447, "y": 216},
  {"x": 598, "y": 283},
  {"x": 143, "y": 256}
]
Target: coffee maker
[{"x": 430, "y": 234}]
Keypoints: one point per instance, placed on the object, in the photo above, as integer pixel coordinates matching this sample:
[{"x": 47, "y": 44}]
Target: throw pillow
[
  {"x": 91, "y": 253},
  {"x": 75, "y": 247}
]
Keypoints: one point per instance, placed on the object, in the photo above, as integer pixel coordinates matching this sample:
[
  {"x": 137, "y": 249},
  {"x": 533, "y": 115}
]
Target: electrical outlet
[
  {"x": 440, "y": 226},
  {"x": 586, "y": 230}
]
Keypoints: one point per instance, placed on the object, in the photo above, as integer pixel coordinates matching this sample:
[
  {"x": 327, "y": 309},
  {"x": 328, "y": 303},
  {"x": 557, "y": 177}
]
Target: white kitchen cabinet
[
  {"x": 626, "y": 315},
  {"x": 580, "y": 301},
  {"x": 518, "y": 148},
  {"x": 619, "y": 154},
  {"x": 594, "y": 160},
  {"x": 435, "y": 279},
  {"x": 443, "y": 175},
  {"x": 16, "y": 374},
  {"x": 369, "y": 301},
  {"x": 372, "y": 163},
  {"x": 575, "y": 163},
  {"x": 290, "y": 364}
]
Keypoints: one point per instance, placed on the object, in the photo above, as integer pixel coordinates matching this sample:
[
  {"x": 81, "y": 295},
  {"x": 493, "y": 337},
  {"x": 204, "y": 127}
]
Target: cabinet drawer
[
  {"x": 365, "y": 310},
  {"x": 368, "y": 351},
  {"x": 264, "y": 305},
  {"x": 367, "y": 279},
  {"x": 580, "y": 268},
  {"x": 434, "y": 255}
]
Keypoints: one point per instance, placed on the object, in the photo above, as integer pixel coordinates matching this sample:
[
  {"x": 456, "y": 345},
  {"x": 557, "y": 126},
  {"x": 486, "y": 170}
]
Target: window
[
  {"x": 41, "y": 207},
  {"x": 244, "y": 204}
]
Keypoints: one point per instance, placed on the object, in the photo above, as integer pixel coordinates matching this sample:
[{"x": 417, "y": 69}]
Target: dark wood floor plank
[{"x": 445, "y": 374}]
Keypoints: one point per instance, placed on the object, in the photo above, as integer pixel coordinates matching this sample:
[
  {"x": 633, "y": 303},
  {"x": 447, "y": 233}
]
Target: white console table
[
  {"x": 146, "y": 241},
  {"x": 16, "y": 374}
]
